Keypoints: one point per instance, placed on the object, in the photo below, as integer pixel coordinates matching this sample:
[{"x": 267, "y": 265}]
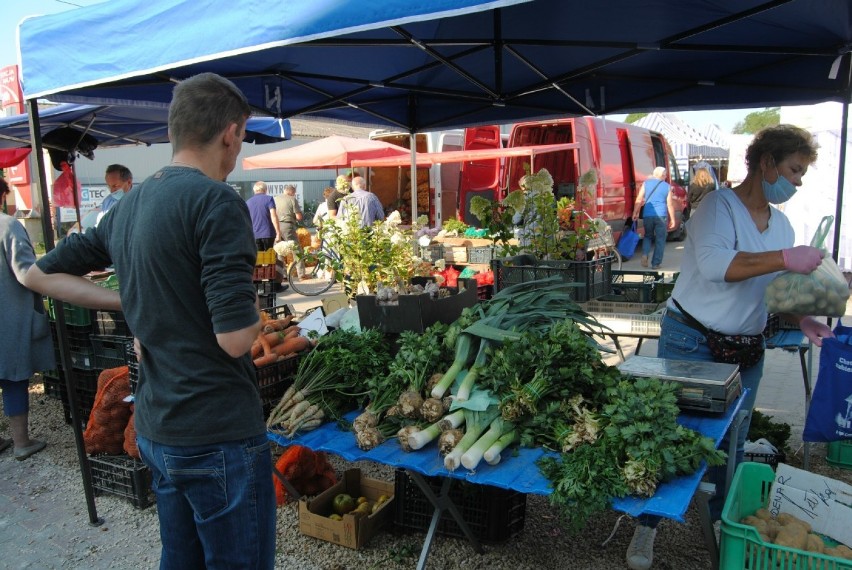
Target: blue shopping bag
[
  {"x": 628, "y": 242},
  {"x": 830, "y": 415}
]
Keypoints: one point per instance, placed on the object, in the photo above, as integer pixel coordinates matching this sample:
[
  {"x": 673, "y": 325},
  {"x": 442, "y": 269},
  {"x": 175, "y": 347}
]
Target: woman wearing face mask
[{"x": 736, "y": 243}]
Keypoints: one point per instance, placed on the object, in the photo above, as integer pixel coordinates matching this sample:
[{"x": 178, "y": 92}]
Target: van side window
[{"x": 659, "y": 152}]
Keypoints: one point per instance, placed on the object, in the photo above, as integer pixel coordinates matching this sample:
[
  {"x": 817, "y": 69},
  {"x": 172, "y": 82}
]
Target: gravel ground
[{"x": 43, "y": 516}]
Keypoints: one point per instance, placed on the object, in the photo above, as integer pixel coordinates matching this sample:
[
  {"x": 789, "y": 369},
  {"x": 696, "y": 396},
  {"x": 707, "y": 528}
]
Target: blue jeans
[
  {"x": 656, "y": 230},
  {"x": 216, "y": 503},
  {"x": 16, "y": 397},
  {"x": 680, "y": 342}
]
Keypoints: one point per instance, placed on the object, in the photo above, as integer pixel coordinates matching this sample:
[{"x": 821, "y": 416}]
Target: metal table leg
[
  {"x": 441, "y": 502},
  {"x": 733, "y": 435},
  {"x": 806, "y": 377},
  {"x": 291, "y": 490},
  {"x": 704, "y": 493}
]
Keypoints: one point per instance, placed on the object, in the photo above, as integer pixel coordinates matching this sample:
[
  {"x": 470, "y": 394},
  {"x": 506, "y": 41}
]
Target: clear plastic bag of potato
[{"x": 823, "y": 292}]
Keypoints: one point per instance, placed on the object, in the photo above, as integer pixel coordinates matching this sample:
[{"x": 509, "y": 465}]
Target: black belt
[{"x": 675, "y": 316}]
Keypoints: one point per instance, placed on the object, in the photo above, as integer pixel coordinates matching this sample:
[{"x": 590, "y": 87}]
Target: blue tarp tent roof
[
  {"x": 445, "y": 63},
  {"x": 119, "y": 125}
]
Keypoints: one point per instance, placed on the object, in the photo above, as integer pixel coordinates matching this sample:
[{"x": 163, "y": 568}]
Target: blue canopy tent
[
  {"x": 450, "y": 63},
  {"x": 120, "y": 125}
]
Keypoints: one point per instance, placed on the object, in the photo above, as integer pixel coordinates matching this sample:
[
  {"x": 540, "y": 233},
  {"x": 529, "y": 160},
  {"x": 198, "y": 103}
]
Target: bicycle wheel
[
  {"x": 616, "y": 262},
  {"x": 315, "y": 280}
]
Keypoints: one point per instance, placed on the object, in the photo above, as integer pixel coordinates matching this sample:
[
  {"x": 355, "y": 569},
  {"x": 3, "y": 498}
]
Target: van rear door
[{"x": 477, "y": 177}]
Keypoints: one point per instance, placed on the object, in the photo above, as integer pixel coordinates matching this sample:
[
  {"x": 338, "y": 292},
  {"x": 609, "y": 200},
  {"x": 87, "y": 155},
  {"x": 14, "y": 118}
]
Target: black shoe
[{"x": 279, "y": 287}]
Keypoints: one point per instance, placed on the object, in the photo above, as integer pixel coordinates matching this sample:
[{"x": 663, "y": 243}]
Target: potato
[
  {"x": 815, "y": 544},
  {"x": 786, "y": 519},
  {"x": 772, "y": 528},
  {"x": 792, "y": 536},
  {"x": 763, "y": 514}
]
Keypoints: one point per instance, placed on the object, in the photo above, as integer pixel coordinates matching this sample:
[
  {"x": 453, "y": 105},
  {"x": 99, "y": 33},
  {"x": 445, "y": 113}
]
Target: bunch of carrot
[
  {"x": 277, "y": 339},
  {"x": 309, "y": 473}
]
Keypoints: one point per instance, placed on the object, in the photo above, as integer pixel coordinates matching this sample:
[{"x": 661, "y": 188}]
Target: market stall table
[{"x": 520, "y": 472}]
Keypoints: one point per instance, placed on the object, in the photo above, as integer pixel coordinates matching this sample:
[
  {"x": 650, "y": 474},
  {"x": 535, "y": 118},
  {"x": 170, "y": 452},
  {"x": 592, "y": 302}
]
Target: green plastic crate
[
  {"x": 74, "y": 315},
  {"x": 839, "y": 453},
  {"x": 742, "y": 547}
]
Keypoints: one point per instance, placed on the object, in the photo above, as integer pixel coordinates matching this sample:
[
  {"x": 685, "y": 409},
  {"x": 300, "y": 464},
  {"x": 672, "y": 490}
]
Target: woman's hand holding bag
[{"x": 822, "y": 291}]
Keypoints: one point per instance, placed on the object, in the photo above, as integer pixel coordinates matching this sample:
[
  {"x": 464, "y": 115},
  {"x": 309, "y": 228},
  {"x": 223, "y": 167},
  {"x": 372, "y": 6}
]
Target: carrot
[
  {"x": 273, "y": 325},
  {"x": 265, "y": 360},
  {"x": 292, "y": 345},
  {"x": 256, "y": 349}
]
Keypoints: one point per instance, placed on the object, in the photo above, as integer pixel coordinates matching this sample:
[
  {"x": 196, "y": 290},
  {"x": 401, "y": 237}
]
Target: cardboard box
[{"x": 351, "y": 532}]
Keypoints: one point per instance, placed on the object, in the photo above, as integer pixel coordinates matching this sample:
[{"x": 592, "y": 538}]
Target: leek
[
  {"x": 464, "y": 354},
  {"x": 471, "y": 458},
  {"x": 492, "y": 454},
  {"x": 475, "y": 424},
  {"x": 419, "y": 439}
]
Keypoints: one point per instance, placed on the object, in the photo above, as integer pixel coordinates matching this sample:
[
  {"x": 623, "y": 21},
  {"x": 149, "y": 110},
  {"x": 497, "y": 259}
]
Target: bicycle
[
  {"x": 602, "y": 243},
  {"x": 320, "y": 273}
]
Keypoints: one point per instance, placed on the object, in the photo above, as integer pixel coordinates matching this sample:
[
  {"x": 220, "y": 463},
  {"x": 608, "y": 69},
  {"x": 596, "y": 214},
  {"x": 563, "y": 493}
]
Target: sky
[{"x": 13, "y": 11}]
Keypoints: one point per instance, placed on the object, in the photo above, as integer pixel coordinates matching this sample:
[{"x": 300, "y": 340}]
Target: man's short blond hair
[{"x": 259, "y": 187}]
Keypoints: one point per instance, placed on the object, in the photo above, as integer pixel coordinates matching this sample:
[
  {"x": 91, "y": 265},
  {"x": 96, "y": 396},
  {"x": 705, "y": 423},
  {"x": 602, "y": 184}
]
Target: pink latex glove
[
  {"x": 802, "y": 258},
  {"x": 815, "y": 330}
]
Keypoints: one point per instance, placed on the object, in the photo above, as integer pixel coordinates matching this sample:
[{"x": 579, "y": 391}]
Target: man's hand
[{"x": 815, "y": 330}]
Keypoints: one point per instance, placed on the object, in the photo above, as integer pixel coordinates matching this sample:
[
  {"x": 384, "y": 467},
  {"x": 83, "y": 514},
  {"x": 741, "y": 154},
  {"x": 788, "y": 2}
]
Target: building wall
[{"x": 144, "y": 161}]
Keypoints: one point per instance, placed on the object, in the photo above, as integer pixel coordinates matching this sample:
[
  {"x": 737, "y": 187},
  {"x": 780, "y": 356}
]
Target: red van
[{"x": 620, "y": 155}]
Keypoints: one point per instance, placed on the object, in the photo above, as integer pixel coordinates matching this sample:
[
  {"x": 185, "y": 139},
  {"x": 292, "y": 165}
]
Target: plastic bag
[
  {"x": 823, "y": 292},
  {"x": 829, "y": 415},
  {"x": 628, "y": 242}
]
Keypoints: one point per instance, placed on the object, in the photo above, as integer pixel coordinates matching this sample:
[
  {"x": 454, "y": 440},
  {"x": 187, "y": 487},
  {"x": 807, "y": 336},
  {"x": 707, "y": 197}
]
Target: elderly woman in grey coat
[{"x": 25, "y": 345}]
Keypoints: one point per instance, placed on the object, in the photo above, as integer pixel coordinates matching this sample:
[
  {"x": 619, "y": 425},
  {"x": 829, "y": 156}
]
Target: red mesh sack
[
  {"x": 130, "y": 436},
  {"x": 110, "y": 413},
  {"x": 308, "y": 472}
]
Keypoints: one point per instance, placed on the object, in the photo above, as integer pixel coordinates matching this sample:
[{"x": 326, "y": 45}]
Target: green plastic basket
[
  {"x": 839, "y": 454},
  {"x": 742, "y": 547}
]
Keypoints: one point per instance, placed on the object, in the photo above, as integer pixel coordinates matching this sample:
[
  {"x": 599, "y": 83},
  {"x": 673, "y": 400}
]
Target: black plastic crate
[
  {"x": 493, "y": 514},
  {"x": 86, "y": 383},
  {"x": 594, "y": 277},
  {"x": 79, "y": 345},
  {"x": 111, "y": 323},
  {"x": 123, "y": 476},
  {"x": 265, "y": 287},
  {"x": 54, "y": 385},
  {"x": 274, "y": 379},
  {"x": 635, "y": 286},
  {"x": 110, "y": 351},
  {"x": 132, "y": 365},
  {"x": 772, "y": 459},
  {"x": 266, "y": 301},
  {"x": 279, "y": 311}
]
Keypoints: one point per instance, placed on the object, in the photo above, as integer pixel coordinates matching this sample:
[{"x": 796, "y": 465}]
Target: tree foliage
[
  {"x": 633, "y": 117},
  {"x": 758, "y": 120}
]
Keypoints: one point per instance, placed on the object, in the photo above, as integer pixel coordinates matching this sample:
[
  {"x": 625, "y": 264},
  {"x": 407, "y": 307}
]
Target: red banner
[{"x": 12, "y": 103}]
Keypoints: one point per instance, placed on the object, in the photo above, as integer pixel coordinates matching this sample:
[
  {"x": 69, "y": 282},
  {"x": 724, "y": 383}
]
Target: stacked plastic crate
[{"x": 265, "y": 277}]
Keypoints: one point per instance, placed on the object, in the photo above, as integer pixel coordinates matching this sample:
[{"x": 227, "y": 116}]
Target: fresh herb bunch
[
  {"x": 418, "y": 356},
  {"x": 762, "y": 426},
  {"x": 454, "y": 225},
  {"x": 638, "y": 443}
]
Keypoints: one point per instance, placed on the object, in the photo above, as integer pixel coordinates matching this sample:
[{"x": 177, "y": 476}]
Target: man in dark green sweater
[{"x": 183, "y": 249}]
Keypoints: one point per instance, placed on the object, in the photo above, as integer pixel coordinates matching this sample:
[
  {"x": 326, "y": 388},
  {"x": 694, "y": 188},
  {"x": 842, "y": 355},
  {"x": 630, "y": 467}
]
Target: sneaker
[
  {"x": 644, "y": 261},
  {"x": 640, "y": 553}
]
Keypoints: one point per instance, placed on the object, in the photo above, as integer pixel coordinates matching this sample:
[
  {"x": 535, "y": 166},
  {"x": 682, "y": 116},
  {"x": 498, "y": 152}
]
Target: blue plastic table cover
[
  {"x": 517, "y": 472},
  {"x": 786, "y": 339}
]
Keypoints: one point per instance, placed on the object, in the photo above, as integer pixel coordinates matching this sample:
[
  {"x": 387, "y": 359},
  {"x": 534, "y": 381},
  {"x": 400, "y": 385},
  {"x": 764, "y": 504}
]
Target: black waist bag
[{"x": 743, "y": 349}]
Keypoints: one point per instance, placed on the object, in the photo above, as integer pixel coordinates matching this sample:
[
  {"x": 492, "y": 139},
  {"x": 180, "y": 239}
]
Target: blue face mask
[
  {"x": 779, "y": 191},
  {"x": 118, "y": 195}
]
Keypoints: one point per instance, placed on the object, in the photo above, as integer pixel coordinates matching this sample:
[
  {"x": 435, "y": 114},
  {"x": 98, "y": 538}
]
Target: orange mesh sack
[
  {"x": 110, "y": 413},
  {"x": 308, "y": 472},
  {"x": 130, "y": 436}
]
